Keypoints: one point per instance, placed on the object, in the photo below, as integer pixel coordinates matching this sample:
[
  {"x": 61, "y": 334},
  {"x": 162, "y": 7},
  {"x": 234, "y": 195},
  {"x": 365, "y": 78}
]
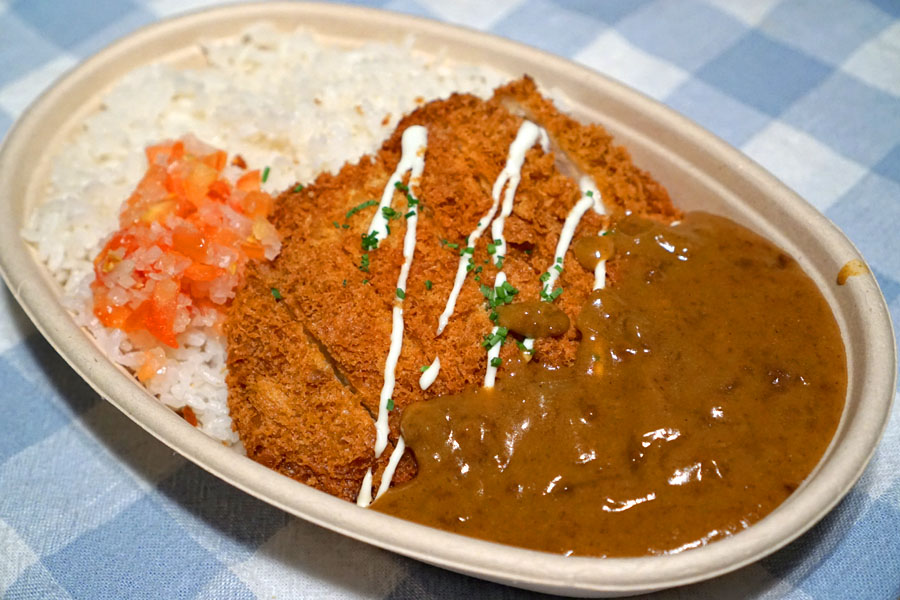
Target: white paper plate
[{"x": 699, "y": 170}]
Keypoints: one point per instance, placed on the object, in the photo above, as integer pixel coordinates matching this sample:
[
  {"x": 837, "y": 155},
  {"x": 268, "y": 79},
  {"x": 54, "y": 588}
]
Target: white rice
[{"x": 283, "y": 100}]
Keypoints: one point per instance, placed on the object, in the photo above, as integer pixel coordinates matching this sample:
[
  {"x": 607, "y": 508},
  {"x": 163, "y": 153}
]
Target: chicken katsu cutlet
[{"x": 309, "y": 333}]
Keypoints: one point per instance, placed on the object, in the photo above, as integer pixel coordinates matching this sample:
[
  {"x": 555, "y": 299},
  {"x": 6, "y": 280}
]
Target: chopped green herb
[
  {"x": 528, "y": 251},
  {"x": 298, "y": 188},
  {"x": 544, "y": 277},
  {"x": 360, "y": 207},
  {"x": 496, "y": 361},
  {"x": 500, "y": 260},
  {"x": 427, "y": 284},
  {"x": 400, "y": 293},
  {"x": 409, "y": 214},
  {"x": 345, "y": 226},
  {"x": 558, "y": 268},
  {"x": 335, "y": 223},
  {"x": 265, "y": 176},
  {"x": 390, "y": 404},
  {"x": 365, "y": 281},
  {"x": 589, "y": 194},
  {"x": 389, "y": 213},
  {"x": 498, "y": 337},
  {"x": 345, "y": 283},
  {"x": 449, "y": 244},
  {"x": 370, "y": 241},
  {"x": 467, "y": 250},
  {"x": 605, "y": 233},
  {"x": 411, "y": 200},
  {"x": 478, "y": 278},
  {"x": 521, "y": 345},
  {"x": 479, "y": 269},
  {"x": 493, "y": 316},
  {"x": 364, "y": 263},
  {"x": 491, "y": 248},
  {"x": 559, "y": 259},
  {"x": 276, "y": 294},
  {"x": 423, "y": 368},
  {"x": 399, "y": 185}
]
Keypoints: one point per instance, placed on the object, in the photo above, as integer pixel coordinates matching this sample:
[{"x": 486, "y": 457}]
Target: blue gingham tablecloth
[{"x": 93, "y": 507}]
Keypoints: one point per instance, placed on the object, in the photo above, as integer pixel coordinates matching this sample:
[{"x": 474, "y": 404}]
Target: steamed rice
[{"x": 282, "y": 100}]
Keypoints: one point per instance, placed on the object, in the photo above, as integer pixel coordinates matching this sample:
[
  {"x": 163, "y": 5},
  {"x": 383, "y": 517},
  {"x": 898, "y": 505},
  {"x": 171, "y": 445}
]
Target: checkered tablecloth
[{"x": 93, "y": 507}]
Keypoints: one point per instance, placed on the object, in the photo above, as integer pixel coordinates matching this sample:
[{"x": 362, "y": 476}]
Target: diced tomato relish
[{"x": 185, "y": 236}]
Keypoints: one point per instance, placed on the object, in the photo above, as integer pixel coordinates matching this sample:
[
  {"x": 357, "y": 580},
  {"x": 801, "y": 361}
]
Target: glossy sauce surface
[{"x": 709, "y": 381}]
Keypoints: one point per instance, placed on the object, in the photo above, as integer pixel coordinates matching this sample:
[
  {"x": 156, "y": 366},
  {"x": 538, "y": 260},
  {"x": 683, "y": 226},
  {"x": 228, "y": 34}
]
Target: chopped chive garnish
[
  {"x": 360, "y": 207},
  {"x": 467, "y": 250},
  {"x": 427, "y": 284},
  {"x": 390, "y": 404},
  {"x": 605, "y": 233},
  {"x": 370, "y": 241},
  {"x": 409, "y": 214},
  {"x": 364, "y": 263},
  {"x": 544, "y": 277},
  {"x": 389, "y": 213},
  {"x": 276, "y": 293},
  {"x": 491, "y": 248},
  {"x": 298, "y": 188},
  {"x": 365, "y": 281},
  {"x": 423, "y": 368},
  {"x": 589, "y": 194},
  {"x": 496, "y": 361},
  {"x": 559, "y": 259},
  {"x": 335, "y": 223},
  {"x": 345, "y": 283},
  {"x": 411, "y": 200},
  {"x": 558, "y": 268},
  {"x": 449, "y": 244},
  {"x": 399, "y": 185},
  {"x": 528, "y": 251},
  {"x": 265, "y": 176},
  {"x": 521, "y": 345},
  {"x": 400, "y": 293},
  {"x": 500, "y": 260},
  {"x": 493, "y": 316},
  {"x": 345, "y": 226}
]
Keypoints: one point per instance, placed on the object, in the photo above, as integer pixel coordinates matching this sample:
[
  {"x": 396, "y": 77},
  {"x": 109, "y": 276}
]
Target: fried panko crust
[{"x": 305, "y": 372}]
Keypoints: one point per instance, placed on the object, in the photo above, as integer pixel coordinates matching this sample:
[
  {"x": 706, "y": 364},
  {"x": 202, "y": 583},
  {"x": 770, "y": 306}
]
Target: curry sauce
[{"x": 709, "y": 380}]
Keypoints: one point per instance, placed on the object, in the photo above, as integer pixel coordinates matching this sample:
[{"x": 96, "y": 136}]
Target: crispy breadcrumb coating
[{"x": 305, "y": 372}]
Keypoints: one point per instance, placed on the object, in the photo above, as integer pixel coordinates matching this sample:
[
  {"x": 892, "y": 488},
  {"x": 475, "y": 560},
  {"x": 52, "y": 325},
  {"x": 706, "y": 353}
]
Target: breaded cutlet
[{"x": 305, "y": 371}]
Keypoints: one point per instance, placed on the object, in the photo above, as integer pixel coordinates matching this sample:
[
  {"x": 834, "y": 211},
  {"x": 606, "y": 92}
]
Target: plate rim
[{"x": 515, "y": 566}]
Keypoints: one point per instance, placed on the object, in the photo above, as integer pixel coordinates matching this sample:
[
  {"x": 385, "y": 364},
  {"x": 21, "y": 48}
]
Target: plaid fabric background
[{"x": 93, "y": 507}]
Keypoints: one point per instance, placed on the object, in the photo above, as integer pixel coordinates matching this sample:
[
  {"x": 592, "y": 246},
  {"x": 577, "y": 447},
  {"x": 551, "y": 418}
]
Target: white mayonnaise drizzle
[
  {"x": 414, "y": 141},
  {"x": 528, "y": 134},
  {"x": 430, "y": 374},
  {"x": 490, "y": 374},
  {"x": 364, "y": 498},
  {"x": 391, "y": 467},
  {"x": 586, "y": 183},
  {"x": 412, "y": 157},
  {"x": 590, "y": 199}
]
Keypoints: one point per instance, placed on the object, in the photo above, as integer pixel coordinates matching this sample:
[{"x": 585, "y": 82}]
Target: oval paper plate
[{"x": 700, "y": 171}]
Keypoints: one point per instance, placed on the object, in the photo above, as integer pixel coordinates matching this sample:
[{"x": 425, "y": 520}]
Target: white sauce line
[
  {"x": 430, "y": 374},
  {"x": 413, "y": 143},
  {"x": 586, "y": 183},
  {"x": 364, "y": 498},
  {"x": 528, "y": 134},
  {"x": 490, "y": 373},
  {"x": 590, "y": 199},
  {"x": 393, "y": 461}
]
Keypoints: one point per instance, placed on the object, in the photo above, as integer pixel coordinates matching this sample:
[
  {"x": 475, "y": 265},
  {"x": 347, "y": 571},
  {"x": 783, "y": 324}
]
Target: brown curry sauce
[{"x": 709, "y": 381}]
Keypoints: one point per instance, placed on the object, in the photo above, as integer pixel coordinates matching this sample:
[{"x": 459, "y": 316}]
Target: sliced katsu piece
[{"x": 308, "y": 411}]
